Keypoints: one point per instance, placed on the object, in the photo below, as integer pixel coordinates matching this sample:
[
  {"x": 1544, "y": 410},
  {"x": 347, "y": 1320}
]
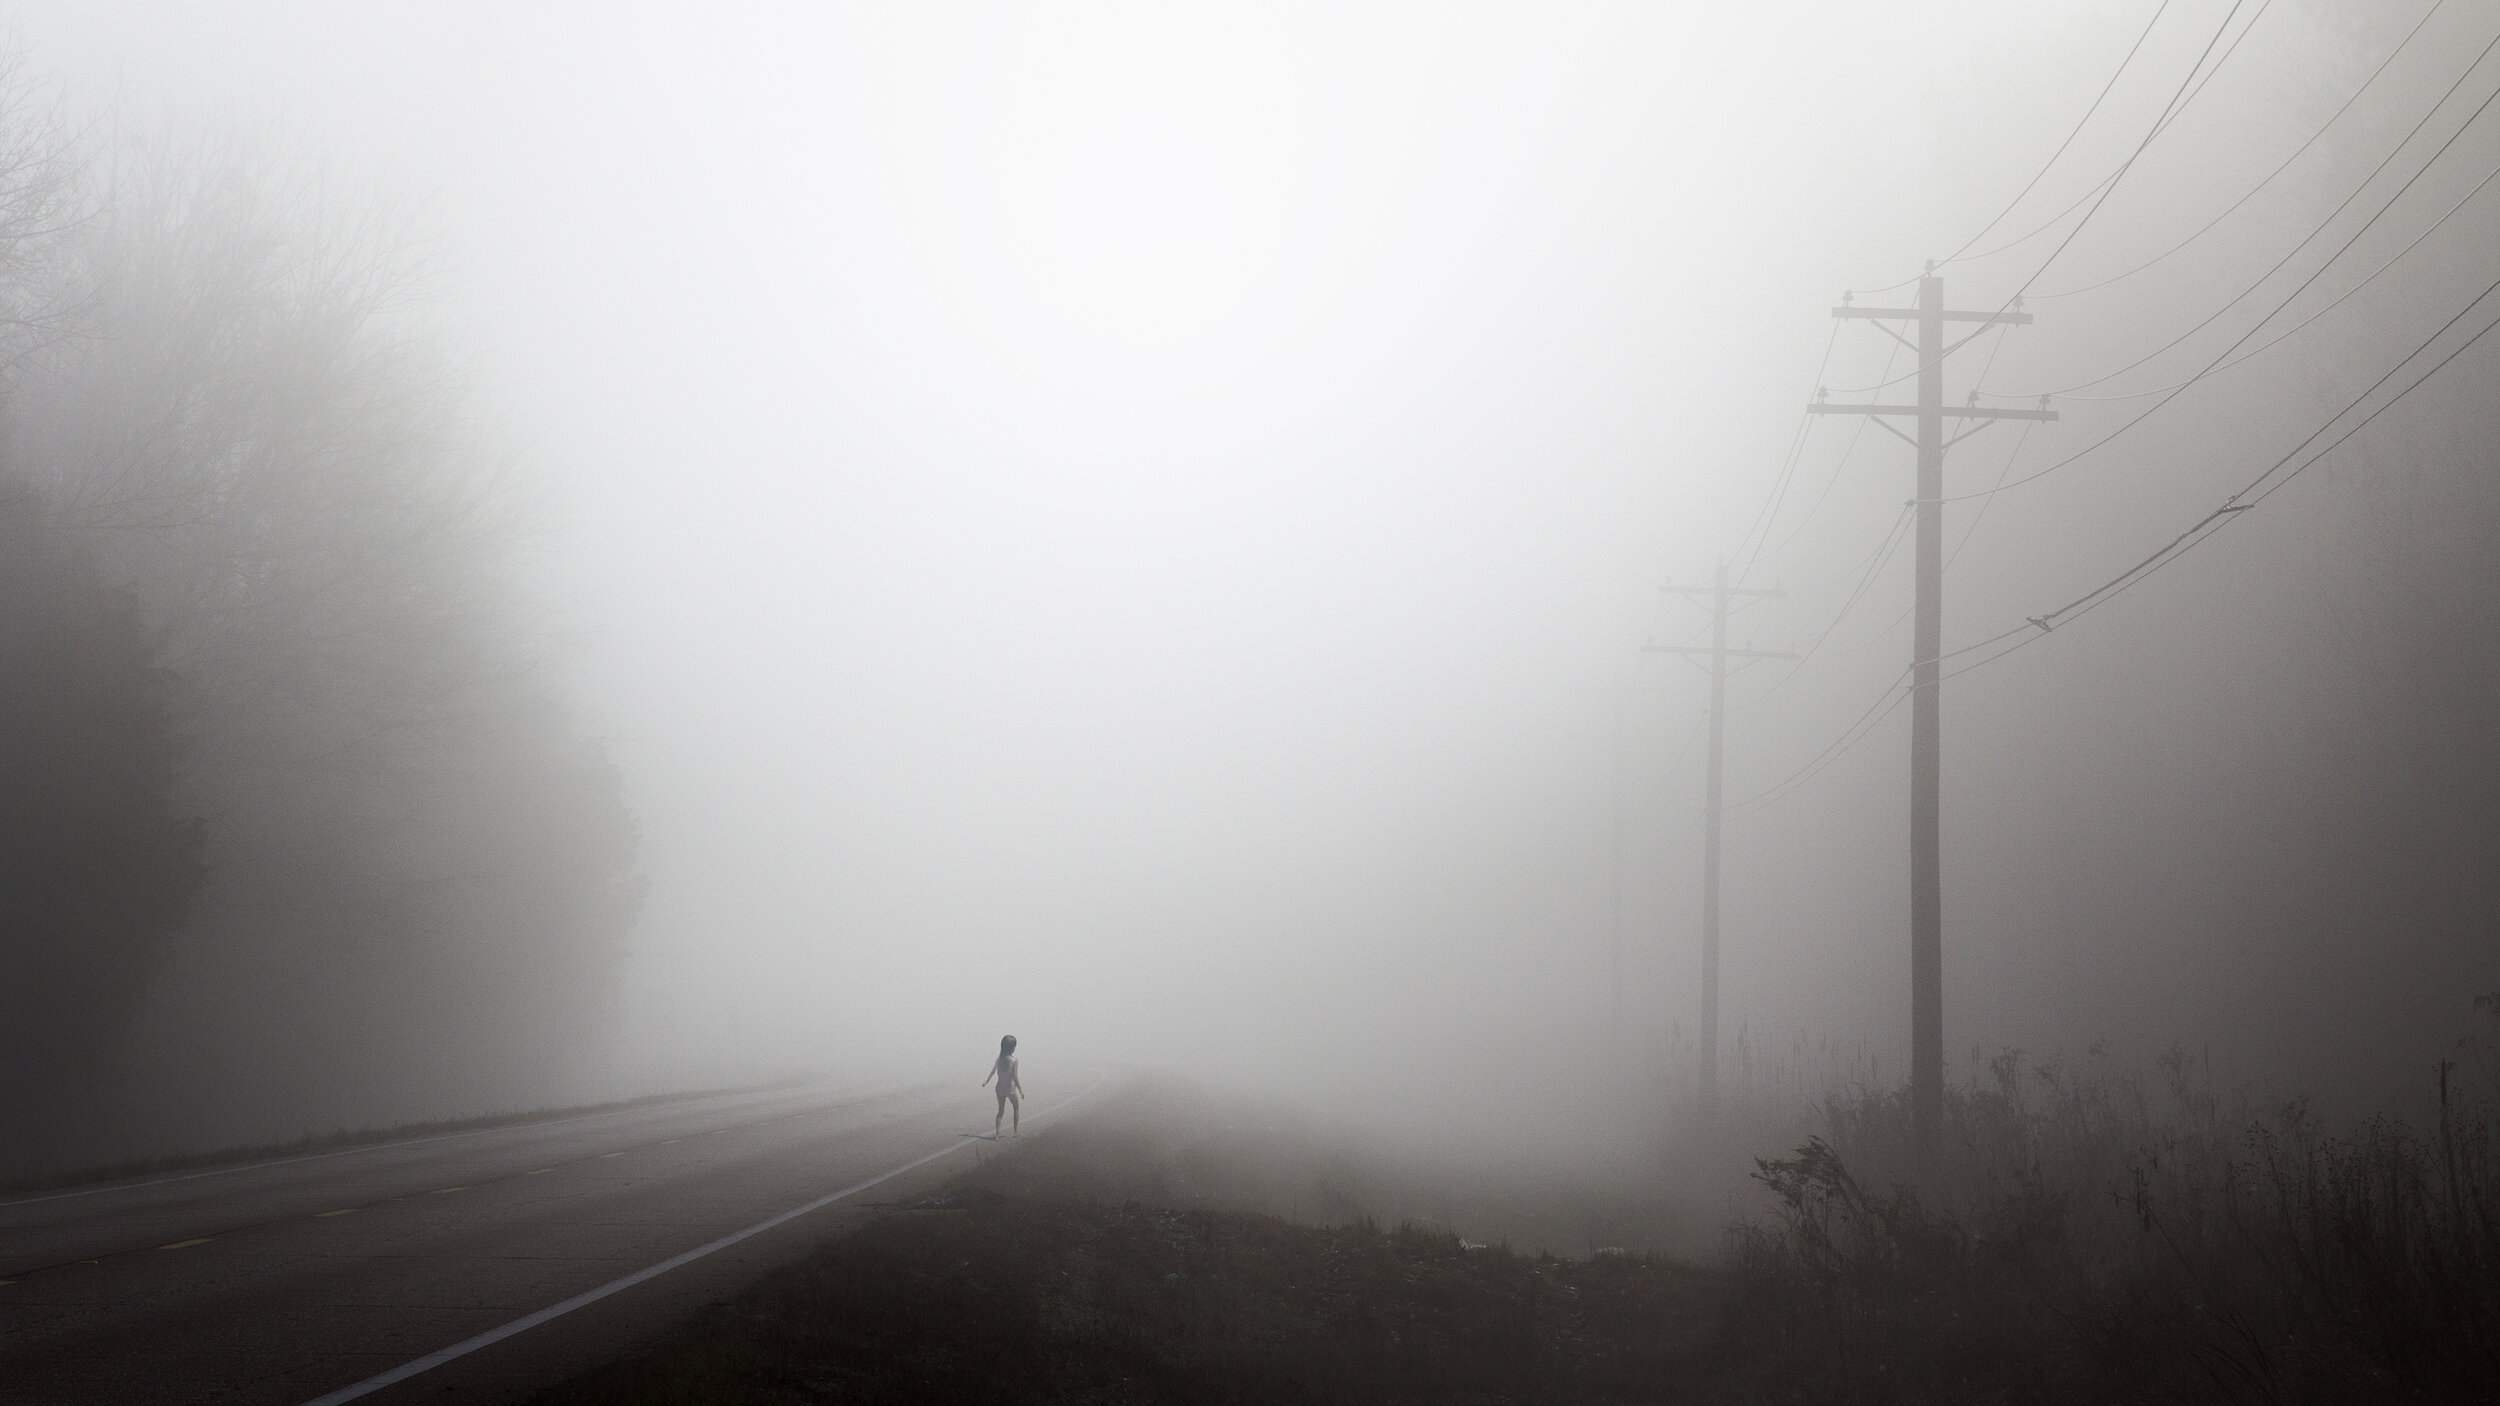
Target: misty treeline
[{"x": 298, "y": 830}]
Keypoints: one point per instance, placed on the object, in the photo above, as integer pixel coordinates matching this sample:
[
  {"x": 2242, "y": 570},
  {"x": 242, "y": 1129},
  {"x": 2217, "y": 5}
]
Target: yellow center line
[
  {"x": 446, "y": 1191},
  {"x": 539, "y": 1173},
  {"x": 321, "y": 1215},
  {"x": 606, "y": 1155},
  {"x": 187, "y": 1244},
  {"x": 672, "y": 1142}
]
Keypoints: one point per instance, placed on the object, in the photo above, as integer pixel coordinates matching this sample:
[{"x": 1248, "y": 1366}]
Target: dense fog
[{"x": 557, "y": 554}]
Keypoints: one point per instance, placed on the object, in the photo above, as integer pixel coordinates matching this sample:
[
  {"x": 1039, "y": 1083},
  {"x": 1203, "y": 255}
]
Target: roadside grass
[{"x": 2087, "y": 1236}]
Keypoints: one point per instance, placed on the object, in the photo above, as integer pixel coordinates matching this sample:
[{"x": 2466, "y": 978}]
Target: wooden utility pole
[
  {"x": 1926, "y": 870},
  {"x": 1720, "y": 595}
]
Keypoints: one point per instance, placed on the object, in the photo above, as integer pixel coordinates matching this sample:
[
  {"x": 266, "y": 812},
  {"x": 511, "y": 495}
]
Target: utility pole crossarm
[
  {"x": 1950, "y": 412},
  {"x": 2016, "y": 319}
]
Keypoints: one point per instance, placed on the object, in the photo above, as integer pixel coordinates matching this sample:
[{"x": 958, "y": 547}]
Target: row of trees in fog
[{"x": 286, "y": 783}]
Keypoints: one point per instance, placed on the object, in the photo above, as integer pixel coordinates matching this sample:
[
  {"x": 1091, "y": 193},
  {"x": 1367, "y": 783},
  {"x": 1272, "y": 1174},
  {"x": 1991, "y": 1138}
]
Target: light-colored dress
[{"x": 1010, "y": 1084}]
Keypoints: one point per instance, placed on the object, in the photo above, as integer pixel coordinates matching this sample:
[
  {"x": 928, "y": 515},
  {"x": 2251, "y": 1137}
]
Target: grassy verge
[{"x": 2084, "y": 1237}]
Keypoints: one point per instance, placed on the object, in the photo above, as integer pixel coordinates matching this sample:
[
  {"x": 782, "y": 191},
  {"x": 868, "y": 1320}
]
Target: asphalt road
[{"x": 289, "y": 1281}]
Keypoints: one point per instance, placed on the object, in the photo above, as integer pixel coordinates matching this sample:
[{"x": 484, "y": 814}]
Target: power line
[
  {"x": 2321, "y": 227},
  {"x": 1970, "y": 529},
  {"x": 2302, "y": 150},
  {"x": 2340, "y": 299},
  {"x": 1893, "y": 695},
  {"x": 2242, "y": 501},
  {"x": 2039, "y": 627},
  {"x": 1904, "y": 283},
  {"x": 1857, "y": 569},
  {"x": 1883, "y": 550},
  {"x": 2080, "y": 123},
  {"x": 1889, "y": 379},
  {"x": 1883, "y": 553},
  {"x": 1878, "y": 709},
  {"x": 2177, "y": 103},
  {"x": 1788, "y": 469},
  {"x": 1973, "y": 526},
  {"x": 2159, "y": 126},
  {"x": 1856, "y": 432},
  {"x": 1926, "y": 925},
  {"x": 2212, "y": 366},
  {"x": 2213, "y": 523}
]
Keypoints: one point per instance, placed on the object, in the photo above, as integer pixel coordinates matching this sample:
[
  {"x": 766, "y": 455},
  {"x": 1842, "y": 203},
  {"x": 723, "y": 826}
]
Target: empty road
[{"x": 304, "y": 1279}]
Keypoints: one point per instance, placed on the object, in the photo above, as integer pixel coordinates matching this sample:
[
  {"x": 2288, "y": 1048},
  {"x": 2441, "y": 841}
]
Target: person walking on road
[{"x": 1010, "y": 1087}]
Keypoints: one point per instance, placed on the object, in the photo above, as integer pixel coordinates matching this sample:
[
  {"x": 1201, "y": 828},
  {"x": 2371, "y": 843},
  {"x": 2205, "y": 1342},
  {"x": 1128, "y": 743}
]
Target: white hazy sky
[{"x": 1132, "y": 523}]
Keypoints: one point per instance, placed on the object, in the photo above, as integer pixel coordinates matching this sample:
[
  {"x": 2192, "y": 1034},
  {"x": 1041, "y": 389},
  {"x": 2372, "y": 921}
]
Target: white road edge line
[
  {"x": 523, "y": 1324},
  {"x": 343, "y": 1152}
]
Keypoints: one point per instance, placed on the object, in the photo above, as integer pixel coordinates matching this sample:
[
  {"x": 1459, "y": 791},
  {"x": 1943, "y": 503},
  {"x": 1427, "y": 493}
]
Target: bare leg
[
  {"x": 1001, "y": 1118},
  {"x": 1016, "y": 1102}
]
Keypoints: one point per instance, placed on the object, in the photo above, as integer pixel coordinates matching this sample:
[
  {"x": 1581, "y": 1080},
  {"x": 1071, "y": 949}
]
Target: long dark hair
[{"x": 1006, "y": 1046}]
